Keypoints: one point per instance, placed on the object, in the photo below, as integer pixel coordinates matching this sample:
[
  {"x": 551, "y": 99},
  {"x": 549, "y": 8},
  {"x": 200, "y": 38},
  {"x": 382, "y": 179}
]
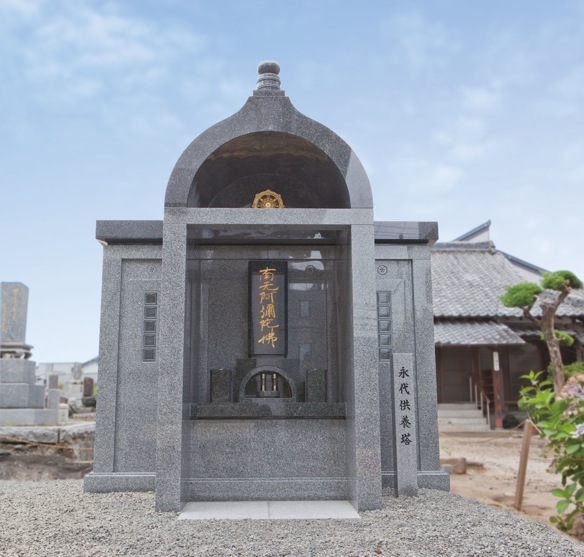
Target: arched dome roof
[{"x": 268, "y": 144}]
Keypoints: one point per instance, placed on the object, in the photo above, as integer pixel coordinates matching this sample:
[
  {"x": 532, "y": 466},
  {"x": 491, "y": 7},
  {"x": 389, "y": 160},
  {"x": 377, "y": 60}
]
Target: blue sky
[{"x": 461, "y": 111}]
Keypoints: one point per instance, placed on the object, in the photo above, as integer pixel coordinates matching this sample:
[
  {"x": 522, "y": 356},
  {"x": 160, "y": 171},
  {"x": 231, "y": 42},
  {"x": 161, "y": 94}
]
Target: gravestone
[
  {"x": 88, "y": 400},
  {"x": 21, "y": 401},
  {"x": 267, "y": 340},
  {"x": 88, "y": 386},
  {"x": 53, "y": 391}
]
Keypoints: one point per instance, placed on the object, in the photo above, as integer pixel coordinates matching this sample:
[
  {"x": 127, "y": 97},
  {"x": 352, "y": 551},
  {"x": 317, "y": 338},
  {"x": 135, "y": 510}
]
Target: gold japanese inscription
[{"x": 269, "y": 319}]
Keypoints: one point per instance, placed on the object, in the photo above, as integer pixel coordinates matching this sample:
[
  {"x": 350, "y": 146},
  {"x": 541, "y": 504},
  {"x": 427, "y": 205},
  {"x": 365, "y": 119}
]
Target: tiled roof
[
  {"x": 468, "y": 280},
  {"x": 474, "y": 333},
  {"x": 527, "y": 331}
]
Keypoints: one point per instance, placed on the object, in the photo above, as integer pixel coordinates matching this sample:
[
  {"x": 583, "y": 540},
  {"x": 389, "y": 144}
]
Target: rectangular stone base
[
  {"x": 118, "y": 481},
  {"x": 16, "y": 370},
  {"x": 269, "y": 510},
  {"x": 268, "y": 489},
  {"x": 28, "y": 416},
  {"x": 426, "y": 480}
]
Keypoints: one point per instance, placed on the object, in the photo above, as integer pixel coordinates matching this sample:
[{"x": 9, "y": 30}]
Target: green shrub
[
  {"x": 560, "y": 420},
  {"x": 558, "y": 279},
  {"x": 521, "y": 295}
]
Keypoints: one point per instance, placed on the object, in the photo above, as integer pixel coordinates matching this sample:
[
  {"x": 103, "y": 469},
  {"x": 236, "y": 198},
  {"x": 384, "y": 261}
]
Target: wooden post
[
  {"x": 475, "y": 368},
  {"x": 498, "y": 390},
  {"x": 527, "y": 431}
]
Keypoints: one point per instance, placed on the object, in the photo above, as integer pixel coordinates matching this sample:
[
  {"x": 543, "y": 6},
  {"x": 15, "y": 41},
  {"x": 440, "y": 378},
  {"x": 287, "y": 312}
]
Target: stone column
[
  {"x": 363, "y": 417},
  {"x": 170, "y": 427}
]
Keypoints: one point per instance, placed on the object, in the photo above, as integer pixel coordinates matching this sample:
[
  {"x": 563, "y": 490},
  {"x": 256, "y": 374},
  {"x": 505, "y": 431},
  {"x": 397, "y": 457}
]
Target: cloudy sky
[{"x": 460, "y": 110}]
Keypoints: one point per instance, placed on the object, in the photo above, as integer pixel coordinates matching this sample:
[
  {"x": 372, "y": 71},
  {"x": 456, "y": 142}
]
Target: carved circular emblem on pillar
[
  {"x": 268, "y": 199},
  {"x": 382, "y": 270}
]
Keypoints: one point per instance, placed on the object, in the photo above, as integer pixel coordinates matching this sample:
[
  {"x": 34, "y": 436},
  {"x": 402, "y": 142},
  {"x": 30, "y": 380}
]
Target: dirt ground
[
  {"x": 36, "y": 463},
  {"x": 492, "y": 467}
]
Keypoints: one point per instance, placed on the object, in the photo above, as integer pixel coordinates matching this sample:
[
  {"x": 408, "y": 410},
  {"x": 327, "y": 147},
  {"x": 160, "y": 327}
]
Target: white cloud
[
  {"x": 71, "y": 50},
  {"x": 24, "y": 8},
  {"x": 444, "y": 177},
  {"x": 421, "y": 43},
  {"x": 475, "y": 98},
  {"x": 571, "y": 85},
  {"x": 556, "y": 108},
  {"x": 411, "y": 174},
  {"x": 465, "y": 139},
  {"x": 572, "y": 165}
]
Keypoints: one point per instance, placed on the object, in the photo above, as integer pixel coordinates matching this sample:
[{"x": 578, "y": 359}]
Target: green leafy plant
[
  {"x": 574, "y": 368},
  {"x": 564, "y": 338},
  {"x": 559, "y": 280},
  {"x": 560, "y": 420},
  {"x": 524, "y": 296}
]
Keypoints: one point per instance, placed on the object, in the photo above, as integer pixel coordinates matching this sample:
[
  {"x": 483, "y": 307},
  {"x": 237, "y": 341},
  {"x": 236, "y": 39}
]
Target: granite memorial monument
[
  {"x": 22, "y": 402},
  {"x": 267, "y": 340}
]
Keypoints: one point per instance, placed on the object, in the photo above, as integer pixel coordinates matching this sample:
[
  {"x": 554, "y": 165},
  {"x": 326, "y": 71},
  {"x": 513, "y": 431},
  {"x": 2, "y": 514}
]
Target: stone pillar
[
  {"x": 13, "y": 308},
  {"x": 170, "y": 431},
  {"x": 53, "y": 392},
  {"x": 363, "y": 418}
]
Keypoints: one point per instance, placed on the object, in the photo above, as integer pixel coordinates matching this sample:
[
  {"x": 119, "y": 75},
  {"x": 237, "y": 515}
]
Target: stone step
[
  {"x": 460, "y": 428},
  {"x": 457, "y": 406},
  {"x": 463, "y": 416},
  {"x": 474, "y": 413},
  {"x": 461, "y": 421}
]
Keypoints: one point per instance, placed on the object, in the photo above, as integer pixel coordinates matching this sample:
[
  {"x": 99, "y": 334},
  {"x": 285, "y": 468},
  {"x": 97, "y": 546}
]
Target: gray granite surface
[{"x": 269, "y": 409}]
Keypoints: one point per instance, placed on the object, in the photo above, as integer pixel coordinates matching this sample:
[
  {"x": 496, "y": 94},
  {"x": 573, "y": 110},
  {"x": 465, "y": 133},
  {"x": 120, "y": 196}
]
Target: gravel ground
[{"x": 56, "y": 518}]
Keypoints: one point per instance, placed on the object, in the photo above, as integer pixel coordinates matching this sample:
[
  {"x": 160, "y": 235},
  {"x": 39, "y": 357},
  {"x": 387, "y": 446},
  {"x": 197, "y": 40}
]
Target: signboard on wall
[{"x": 268, "y": 308}]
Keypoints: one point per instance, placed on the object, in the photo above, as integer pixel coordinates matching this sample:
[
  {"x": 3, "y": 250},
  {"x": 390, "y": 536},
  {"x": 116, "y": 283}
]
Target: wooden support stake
[{"x": 527, "y": 431}]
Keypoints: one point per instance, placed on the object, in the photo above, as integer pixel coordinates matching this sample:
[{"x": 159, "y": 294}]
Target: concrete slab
[
  {"x": 307, "y": 510},
  {"x": 268, "y": 510}
]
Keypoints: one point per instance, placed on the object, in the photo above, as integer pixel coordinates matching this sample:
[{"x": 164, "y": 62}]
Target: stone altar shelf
[{"x": 269, "y": 409}]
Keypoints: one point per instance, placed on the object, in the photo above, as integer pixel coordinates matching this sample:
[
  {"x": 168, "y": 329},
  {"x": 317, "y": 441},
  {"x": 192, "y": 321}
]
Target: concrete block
[
  {"x": 27, "y": 416},
  {"x": 63, "y": 415},
  {"x": 17, "y": 370},
  {"x": 14, "y": 395},
  {"x": 53, "y": 399},
  {"x": 36, "y": 397}
]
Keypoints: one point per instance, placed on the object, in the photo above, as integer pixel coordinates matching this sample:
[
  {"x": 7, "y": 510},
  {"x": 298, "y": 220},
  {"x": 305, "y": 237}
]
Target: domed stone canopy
[
  {"x": 268, "y": 143},
  {"x": 300, "y": 172}
]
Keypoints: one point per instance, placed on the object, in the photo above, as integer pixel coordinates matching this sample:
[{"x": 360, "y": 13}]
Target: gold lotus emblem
[{"x": 268, "y": 199}]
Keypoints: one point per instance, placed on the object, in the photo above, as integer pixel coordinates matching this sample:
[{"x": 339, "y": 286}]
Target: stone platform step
[{"x": 269, "y": 510}]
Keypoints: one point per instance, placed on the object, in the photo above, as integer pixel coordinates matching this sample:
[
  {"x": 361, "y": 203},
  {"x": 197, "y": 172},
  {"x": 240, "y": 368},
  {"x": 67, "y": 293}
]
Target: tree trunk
[{"x": 548, "y": 312}]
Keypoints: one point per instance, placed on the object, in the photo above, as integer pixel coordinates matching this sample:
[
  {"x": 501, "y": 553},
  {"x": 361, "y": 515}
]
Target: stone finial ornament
[{"x": 268, "y": 77}]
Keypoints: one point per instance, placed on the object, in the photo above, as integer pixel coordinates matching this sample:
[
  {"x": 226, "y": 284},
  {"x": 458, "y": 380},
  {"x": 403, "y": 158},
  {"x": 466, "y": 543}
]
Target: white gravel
[{"x": 57, "y": 518}]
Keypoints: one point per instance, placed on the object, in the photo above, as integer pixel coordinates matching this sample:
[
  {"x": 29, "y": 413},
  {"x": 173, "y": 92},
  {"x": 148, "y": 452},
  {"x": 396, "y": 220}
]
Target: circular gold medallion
[{"x": 268, "y": 199}]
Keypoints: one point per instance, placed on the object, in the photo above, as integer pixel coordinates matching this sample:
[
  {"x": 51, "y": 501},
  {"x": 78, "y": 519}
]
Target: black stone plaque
[
  {"x": 316, "y": 385},
  {"x": 268, "y": 308},
  {"x": 221, "y": 385}
]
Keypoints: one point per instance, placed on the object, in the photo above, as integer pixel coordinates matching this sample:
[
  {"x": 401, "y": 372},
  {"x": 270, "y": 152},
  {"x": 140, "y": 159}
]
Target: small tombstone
[
  {"x": 88, "y": 386},
  {"x": 15, "y": 304}
]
